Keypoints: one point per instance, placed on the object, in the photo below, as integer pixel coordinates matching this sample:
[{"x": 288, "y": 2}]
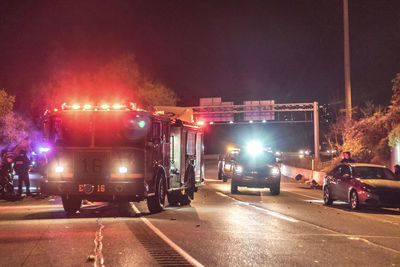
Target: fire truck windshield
[{"x": 101, "y": 129}]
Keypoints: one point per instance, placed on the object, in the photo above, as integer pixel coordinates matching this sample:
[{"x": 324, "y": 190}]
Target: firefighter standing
[{"x": 21, "y": 167}]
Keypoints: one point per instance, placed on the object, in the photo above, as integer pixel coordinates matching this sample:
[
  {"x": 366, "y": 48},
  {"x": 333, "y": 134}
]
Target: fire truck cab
[{"x": 121, "y": 154}]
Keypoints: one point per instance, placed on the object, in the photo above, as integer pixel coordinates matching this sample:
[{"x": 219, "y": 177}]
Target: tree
[
  {"x": 6, "y": 103},
  {"x": 369, "y": 138},
  {"x": 120, "y": 80},
  {"x": 370, "y": 108},
  {"x": 13, "y": 128}
]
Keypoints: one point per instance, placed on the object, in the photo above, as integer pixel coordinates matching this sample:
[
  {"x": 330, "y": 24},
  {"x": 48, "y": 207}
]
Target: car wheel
[
  {"x": 354, "y": 203},
  {"x": 327, "y": 196},
  {"x": 234, "y": 187},
  {"x": 275, "y": 189},
  {"x": 156, "y": 203},
  {"x": 71, "y": 205}
]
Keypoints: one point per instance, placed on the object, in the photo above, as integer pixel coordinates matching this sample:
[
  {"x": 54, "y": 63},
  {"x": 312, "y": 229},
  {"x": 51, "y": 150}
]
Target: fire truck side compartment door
[
  {"x": 183, "y": 155},
  {"x": 199, "y": 153},
  {"x": 175, "y": 157}
]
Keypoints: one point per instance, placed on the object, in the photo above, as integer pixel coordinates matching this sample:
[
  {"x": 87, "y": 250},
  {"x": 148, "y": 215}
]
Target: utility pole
[
  {"x": 347, "y": 84},
  {"x": 316, "y": 130}
]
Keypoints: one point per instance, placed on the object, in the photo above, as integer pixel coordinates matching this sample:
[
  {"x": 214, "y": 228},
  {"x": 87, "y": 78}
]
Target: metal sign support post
[{"x": 316, "y": 131}]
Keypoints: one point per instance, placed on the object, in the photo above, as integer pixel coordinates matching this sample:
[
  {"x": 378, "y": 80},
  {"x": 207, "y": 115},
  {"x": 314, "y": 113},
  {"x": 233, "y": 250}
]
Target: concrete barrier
[{"x": 306, "y": 175}]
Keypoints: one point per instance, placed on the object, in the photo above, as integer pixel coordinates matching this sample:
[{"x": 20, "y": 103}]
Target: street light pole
[{"x": 347, "y": 84}]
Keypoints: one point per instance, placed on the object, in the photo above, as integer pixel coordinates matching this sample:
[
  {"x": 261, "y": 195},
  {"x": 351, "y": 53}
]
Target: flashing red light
[
  {"x": 105, "y": 106},
  {"x": 76, "y": 106},
  {"x": 117, "y": 106},
  {"x": 201, "y": 123},
  {"x": 87, "y": 106},
  {"x": 211, "y": 122}
]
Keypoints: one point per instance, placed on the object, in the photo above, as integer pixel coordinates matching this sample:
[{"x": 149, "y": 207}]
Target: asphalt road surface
[{"x": 252, "y": 228}]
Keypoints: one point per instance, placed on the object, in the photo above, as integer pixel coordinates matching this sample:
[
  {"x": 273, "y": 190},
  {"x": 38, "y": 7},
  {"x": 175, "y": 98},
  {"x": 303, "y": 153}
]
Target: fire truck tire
[
  {"x": 220, "y": 175},
  {"x": 156, "y": 203},
  {"x": 71, "y": 205}
]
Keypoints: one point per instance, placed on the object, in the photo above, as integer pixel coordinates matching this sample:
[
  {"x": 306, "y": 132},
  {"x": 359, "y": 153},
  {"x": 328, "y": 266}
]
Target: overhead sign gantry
[{"x": 214, "y": 111}]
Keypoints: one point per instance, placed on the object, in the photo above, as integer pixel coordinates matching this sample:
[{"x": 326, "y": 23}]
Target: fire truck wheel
[
  {"x": 71, "y": 205},
  {"x": 156, "y": 203}
]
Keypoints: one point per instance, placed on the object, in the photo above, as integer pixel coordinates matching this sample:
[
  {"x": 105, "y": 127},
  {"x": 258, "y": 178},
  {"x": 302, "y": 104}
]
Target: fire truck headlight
[
  {"x": 123, "y": 169},
  {"x": 59, "y": 169}
]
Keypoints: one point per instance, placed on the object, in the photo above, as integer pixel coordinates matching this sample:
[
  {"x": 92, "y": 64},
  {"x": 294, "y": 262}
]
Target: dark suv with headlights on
[
  {"x": 362, "y": 184},
  {"x": 257, "y": 171}
]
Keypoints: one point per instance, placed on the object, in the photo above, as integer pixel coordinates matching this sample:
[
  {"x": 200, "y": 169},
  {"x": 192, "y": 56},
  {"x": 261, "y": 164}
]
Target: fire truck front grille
[{"x": 91, "y": 165}]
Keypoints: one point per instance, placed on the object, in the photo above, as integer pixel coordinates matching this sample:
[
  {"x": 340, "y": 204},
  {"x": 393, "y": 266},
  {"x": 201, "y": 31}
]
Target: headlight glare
[
  {"x": 239, "y": 169},
  {"x": 275, "y": 171},
  {"x": 59, "y": 169},
  {"x": 123, "y": 169}
]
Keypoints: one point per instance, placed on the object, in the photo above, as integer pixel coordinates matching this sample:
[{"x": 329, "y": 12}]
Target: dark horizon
[{"x": 288, "y": 51}]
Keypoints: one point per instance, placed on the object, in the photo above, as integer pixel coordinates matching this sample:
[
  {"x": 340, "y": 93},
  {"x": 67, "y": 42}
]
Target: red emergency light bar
[{"x": 103, "y": 106}]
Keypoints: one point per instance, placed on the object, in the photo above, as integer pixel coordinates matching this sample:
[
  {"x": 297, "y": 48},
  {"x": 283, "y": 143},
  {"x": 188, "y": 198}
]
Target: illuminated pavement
[{"x": 252, "y": 228}]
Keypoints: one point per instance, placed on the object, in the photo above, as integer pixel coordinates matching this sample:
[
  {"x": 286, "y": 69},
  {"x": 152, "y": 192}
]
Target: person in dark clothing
[
  {"x": 6, "y": 165},
  {"x": 6, "y": 176},
  {"x": 21, "y": 167},
  {"x": 347, "y": 158}
]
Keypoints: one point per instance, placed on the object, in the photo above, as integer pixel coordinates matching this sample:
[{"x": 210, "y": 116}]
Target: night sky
[{"x": 289, "y": 51}]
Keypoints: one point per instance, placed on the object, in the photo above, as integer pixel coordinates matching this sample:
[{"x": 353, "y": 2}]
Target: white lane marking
[
  {"x": 350, "y": 237},
  {"x": 177, "y": 248},
  {"x": 269, "y": 212}
]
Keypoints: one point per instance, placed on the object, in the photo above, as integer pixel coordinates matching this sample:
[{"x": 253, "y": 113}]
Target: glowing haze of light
[{"x": 254, "y": 147}]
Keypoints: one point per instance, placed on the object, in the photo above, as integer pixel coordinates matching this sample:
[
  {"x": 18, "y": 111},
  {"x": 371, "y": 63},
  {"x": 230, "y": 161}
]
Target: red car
[{"x": 362, "y": 184}]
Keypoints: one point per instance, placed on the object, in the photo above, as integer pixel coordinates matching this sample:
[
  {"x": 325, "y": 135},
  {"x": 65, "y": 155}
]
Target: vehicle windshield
[
  {"x": 107, "y": 129},
  {"x": 262, "y": 158},
  {"x": 365, "y": 172}
]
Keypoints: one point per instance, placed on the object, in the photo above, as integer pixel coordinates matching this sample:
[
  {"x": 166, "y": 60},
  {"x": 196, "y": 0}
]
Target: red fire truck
[{"x": 118, "y": 153}]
